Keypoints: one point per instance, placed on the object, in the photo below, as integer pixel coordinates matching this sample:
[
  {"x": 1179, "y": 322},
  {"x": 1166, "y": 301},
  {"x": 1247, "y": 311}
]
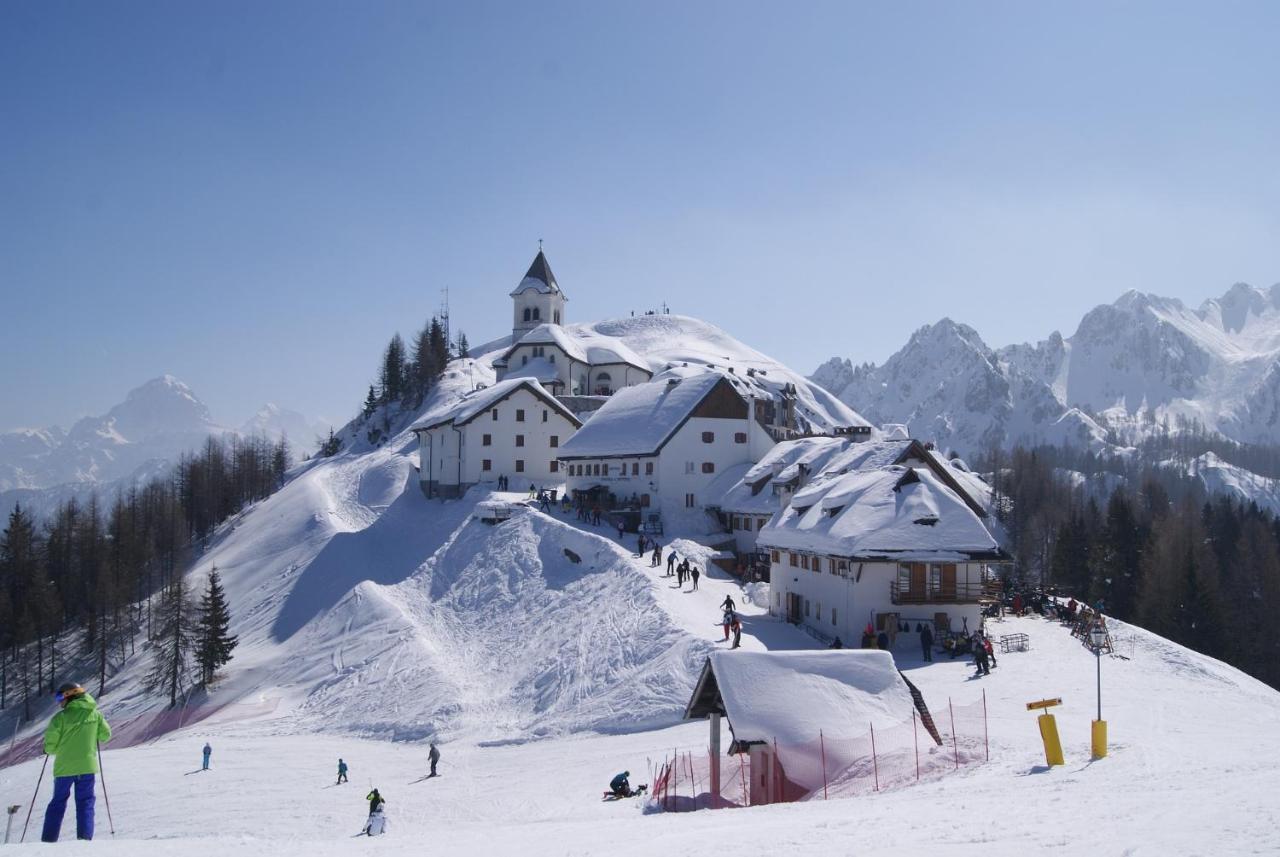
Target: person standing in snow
[
  {"x": 737, "y": 632},
  {"x": 671, "y": 563},
  {"x": 72, "y": 738},
  {"x": 926, "y": 642},
  {"x": 656, "y": 559},
  {"x": 206, "y": 752},
  {"x": 727, "y": 622},
  {"x": 980, "y": 654},
  {"x": 377, "y": 822},
  {"x": 694, "y": 571},
  {"x": 641, "y": 545},
  {"x": 434, "y": 756},
  {"x": 342, "y": 773},
  {"x": 727, "y": 603},
  {"x": 621, "y": 530}
]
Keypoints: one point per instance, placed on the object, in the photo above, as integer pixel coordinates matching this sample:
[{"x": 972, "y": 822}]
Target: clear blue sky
[{"x": 254, "y": 196}]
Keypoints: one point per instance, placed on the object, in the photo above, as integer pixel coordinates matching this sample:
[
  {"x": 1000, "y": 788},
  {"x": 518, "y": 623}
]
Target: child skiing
[
  {"x": 206, "y": 752},
  {"x": 342, "y": 773},
  {"x": 72, "y": 738},
  {"x": 377, "y": 823}
]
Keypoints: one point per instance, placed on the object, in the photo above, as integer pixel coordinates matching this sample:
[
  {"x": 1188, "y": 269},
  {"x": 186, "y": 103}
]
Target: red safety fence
[
  {"x": 829, "y": 766},
  {"x": 147, "y": 727}
]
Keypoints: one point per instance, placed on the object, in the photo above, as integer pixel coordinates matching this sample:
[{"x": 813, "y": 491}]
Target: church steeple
[{"x": 537, "y": 299}]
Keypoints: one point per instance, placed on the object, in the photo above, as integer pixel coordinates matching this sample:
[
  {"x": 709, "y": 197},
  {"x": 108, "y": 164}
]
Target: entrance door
[
  {"x": 793, "y": 608},
  {"x": 915, "y": 587},
  {"x": 947, "y": 589}
]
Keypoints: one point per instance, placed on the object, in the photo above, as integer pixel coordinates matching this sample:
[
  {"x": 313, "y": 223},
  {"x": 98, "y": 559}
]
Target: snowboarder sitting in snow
[
  {"x": 342, "y": 773},
  {"x": 377, "y": 822},
  {"x": 621, "y": 785}
]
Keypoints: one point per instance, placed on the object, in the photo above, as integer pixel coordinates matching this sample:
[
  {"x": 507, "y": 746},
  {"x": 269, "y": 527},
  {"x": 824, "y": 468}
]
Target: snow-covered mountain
[
  {"x": 139, "y": 437},
  {"x": 541, "y": 652},
  {"x": 1141, "y": 361},
  {"x": 274, "y": 421}
]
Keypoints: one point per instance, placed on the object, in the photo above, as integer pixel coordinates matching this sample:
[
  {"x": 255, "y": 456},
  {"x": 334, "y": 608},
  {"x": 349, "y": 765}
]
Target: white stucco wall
[
  {"x": 547, "y": 305},
  {"x": 439, "y": 460},
  {"x": 857, "y": 601}
]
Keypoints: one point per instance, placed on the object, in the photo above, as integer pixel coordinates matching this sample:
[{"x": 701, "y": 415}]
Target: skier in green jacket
[{"x": 72, "y": 739}]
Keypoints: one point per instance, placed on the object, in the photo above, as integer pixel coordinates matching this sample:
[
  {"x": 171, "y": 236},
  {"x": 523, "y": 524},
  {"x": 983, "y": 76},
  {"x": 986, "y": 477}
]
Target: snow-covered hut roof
[
  {"x": 538, "y": 367},
  {"x": 896, "y": 512},
  {"x": 790, "y": 696},
  {"x": 540, "y": 278},
  {"x": 640, "y": 420},
  {"x": 471, "y": 405}
]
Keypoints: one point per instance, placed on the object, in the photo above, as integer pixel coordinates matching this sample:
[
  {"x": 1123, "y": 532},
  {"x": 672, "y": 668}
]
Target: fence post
[
  {"x": 954, "y": 746},
  {"x": 822, "y": 744},
  {"x": 746, "y": 798},
  {"x": 916, "y": 737},
  {"x": 875, "y": 763},
  {"x": 986, "y": 738},
  {"x": 775, "y": 787}
]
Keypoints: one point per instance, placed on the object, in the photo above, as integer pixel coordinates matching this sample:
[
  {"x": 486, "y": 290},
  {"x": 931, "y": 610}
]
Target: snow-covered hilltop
[{"x": 1141, "y": 361}]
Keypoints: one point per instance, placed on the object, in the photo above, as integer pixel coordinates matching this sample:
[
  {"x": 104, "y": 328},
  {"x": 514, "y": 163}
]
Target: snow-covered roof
[
  {"x": 585, "y": 346},
  {"x": 539, "y": 278},
  {"x": 790, "y": 696},
  {"x": 639, "y": 420},
  {"x": 462, "y": 410},
  {"x": 895, "y": 511}
]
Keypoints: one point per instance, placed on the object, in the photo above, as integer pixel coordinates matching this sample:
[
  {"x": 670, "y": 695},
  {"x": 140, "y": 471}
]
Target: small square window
[
  {"x": 519, "y": 465},
  {"x": 486, "y": 464},
  {"x": 746, "y": 524},
  {"x": 519, "y": 440},
  {"x": 708, "y": 437},
  {"x": 635, "y": 468},
  {"x": 708, "y": 467},
  {"x": 555, "y": 441},
  {"x": 740, "y": 437},
  {"x": 487, "y": 441},
  {"x": 495, "y": 414},
  {"x": 519, "y": 415},
  {"x": 775, "y": 557},
  {"x": 544, "y": 415},
  {"x": 555, "y": 466},
  {"x": 648, "y": 468},
  {"x": 795, "y": 560}
]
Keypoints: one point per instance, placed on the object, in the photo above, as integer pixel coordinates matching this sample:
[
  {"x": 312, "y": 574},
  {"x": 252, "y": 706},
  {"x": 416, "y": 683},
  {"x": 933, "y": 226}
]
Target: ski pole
[
  {"x": 39, "y": 782},
  {"x": 102, "y": 772}
]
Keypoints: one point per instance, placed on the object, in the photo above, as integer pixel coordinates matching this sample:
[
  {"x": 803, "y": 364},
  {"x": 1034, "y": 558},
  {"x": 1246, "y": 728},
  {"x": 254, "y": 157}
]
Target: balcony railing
[{"x": 960, "y": 592}]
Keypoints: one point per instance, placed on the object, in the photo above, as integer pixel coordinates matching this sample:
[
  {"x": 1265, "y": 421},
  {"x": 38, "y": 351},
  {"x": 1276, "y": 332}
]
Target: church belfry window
[
  {"x": 537, "y": 314},
  {"x": 528, "y": 313}
]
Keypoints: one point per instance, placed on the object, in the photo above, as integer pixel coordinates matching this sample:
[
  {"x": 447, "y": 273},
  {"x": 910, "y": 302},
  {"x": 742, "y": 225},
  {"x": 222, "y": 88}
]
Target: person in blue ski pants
[
  {"x": 208, "y": 751},
  {"x": 72, "y": 739}
]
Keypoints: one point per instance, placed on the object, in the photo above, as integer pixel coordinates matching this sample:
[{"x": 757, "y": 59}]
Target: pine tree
[
  {"x": 393, "y": 371},
  {"x": 175, "y": 640},
  {"x": 329, "y": 446},
  {"x": 215, "y": 642},
  {"x": 463, "y": 346},
  {"x": 370, "y": 403}
]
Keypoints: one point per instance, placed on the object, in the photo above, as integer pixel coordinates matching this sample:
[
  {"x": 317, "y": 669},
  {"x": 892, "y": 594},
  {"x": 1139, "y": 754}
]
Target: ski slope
[{"x": 1190, "y": 772}]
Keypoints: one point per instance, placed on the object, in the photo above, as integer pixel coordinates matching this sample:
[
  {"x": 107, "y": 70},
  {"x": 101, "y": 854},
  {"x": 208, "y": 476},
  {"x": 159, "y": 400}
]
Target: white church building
[{"x": 566, "y": 361}]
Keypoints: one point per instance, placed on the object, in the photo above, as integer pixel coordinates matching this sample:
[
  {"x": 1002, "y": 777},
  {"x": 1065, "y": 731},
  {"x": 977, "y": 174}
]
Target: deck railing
[{"x": 960, "y": 592}]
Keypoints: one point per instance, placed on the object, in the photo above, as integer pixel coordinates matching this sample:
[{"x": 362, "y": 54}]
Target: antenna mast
[{"x": 444, "y": 315}]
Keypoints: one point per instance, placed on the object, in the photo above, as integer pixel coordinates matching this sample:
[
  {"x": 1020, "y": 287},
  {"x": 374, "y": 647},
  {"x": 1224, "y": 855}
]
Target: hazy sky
[{"x": 254, "y": 196}]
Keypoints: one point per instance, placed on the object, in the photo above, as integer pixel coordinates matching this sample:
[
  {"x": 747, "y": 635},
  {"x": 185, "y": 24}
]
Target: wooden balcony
[{"x": 945, "y": 592}]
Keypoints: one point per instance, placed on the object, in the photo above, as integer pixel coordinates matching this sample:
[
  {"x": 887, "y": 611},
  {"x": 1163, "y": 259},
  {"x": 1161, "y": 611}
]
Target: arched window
[
  {"x": 604, "y": 376},
  {"x": 536, "y": 314},
  {"x": 557, "y": 316},
  {"x": 528, "y": 313}
]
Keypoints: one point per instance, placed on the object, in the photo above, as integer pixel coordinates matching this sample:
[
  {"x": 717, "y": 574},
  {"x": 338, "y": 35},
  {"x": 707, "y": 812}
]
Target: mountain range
[
  {"x": 137, "y": 438},
  {"x": 1131, "y": 367}
]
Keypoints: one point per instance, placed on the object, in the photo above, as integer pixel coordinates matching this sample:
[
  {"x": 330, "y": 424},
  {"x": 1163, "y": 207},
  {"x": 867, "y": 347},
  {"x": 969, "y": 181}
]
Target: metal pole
[
  {"x": 875, "y": 763},
  {"x": 823, "y": 745},
  {"x": 986, "y": 736},
  {"x": 107, "y": 798},
  {"x": 916, "y": 736},
  {"x": 1097, "y": 653},
  {"x": 33, "y": 799}
]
